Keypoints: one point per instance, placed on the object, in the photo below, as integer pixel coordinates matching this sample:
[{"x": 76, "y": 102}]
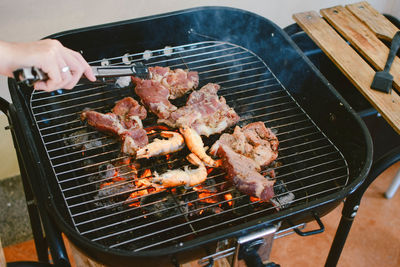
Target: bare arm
[{"x": 50, "y": 56}]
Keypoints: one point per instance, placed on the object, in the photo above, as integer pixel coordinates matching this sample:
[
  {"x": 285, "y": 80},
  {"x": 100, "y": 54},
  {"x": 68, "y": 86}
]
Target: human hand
[{"x": 64, "y": 67}]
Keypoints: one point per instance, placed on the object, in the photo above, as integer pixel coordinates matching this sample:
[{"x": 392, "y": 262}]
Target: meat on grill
[
  {"x": 204, "y": 112},
  {"x": 124, "y": 121},
  {"x": 245, "y": 175},
  {"x": 164, "y": 84},
  {"x": 154, "y": 96},
  {"x": 178, "y": 81},
  {"x": 254, "y": 141}
]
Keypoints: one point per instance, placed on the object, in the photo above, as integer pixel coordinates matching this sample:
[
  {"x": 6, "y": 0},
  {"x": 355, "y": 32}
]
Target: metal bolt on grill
[{"x": 85, "y": 162}]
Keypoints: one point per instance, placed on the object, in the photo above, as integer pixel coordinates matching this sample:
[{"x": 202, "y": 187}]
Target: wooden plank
[
  {"x": 363, "y": 39},
  {"x": 351, "y": 64},
  {"x": 377, "y": 22}
]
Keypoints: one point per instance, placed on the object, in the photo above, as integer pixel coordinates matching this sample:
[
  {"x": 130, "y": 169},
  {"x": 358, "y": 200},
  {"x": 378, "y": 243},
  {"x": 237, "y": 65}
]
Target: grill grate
[{"x": 309, "y": 166}]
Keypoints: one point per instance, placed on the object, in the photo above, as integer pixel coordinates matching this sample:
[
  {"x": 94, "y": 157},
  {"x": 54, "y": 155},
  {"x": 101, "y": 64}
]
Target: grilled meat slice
[
  {"x": 154, "y": 96},
  {"x": 124, "y": 121},
  {"x": 133, "y": 140},
  {"x": 178, "y": 81},
  {"x": 128, "y": 109},
  {"x": 164, "y": 84},
  {"x": 254, "y": 141},
  {"x": 244, "y": 173},
  {"x": 204, "y": 112}
]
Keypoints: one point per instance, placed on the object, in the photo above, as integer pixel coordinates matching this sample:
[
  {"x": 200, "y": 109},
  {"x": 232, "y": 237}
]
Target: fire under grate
[{"x": 99, "y": 185}]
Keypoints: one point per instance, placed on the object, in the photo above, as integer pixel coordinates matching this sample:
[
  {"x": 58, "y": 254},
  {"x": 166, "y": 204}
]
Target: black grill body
[{"x": 314, "y": 94}]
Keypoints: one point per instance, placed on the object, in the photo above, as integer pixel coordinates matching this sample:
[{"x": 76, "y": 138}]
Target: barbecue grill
[{"x": 325, "y": 150}]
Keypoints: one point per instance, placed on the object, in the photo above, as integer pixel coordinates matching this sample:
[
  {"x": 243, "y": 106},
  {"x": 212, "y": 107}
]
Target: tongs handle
[
  {"x": 135, "y": 69},
  {"x": 30, "y": 75}
]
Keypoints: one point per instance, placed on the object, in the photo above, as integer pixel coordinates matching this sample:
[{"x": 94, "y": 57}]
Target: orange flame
[
  {"x": 229, "y": 197},
  {"x": 254, "y": 199}
]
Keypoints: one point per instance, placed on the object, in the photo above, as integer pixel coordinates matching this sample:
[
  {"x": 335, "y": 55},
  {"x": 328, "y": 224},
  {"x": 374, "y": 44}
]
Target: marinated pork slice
[
  {"x": 164, "y": 84},
  {"x": 254, "y": 141},
  {"x": 204, "y": 112},
  {"x": 124, "y": 122},
  {"x": 178, "y": 81},
  {"x": 129, "y": 109},
  {"x": 245, "y": 175},
  {"x": 154, "y": 96}
]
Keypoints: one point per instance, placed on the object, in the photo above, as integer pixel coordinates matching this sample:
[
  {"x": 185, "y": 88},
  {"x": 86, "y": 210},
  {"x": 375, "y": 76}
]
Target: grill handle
[
  {"x": 312, "y": 232},
  {"x": 255, "y": 247}
]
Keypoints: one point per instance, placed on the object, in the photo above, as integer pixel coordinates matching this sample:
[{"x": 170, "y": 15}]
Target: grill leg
[
  {"x": 47, "y": 236},
  {"x": 36, "y": 225},
  {"x": 352, "y": 204}
]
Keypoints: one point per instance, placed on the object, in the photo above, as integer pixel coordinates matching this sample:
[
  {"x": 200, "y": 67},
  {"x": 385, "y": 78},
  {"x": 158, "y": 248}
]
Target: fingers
[
  {"x": 54, "y": 60},
  {"x": 87, "y": 70}
]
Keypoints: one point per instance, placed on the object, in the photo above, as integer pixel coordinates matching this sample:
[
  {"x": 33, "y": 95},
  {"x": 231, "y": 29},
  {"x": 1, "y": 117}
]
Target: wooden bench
[{"x": 350, "y": 37}]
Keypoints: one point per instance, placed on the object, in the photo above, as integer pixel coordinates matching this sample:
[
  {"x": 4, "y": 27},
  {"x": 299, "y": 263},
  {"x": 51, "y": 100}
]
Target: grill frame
[
  {"x": 254, "y": 82},
  {"x": 298, "y": 213}
]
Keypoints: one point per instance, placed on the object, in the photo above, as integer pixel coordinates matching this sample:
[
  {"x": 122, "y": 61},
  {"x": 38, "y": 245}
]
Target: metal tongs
[{"x": 30, "y": 75}]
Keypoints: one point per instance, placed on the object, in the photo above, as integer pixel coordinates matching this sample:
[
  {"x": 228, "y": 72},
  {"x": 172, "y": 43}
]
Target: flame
[
  {"x": 153, "y": 129},
  {"x": 135, "y": 197},
  {"x": 105, "y": 184},
  {"x": 229, "y": 197},
  {"x": 205, "y": 195},
  {"x": 254, "y": 199}
]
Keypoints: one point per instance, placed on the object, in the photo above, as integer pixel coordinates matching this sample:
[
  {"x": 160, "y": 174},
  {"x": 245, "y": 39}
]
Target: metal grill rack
[{"x": 309, "y": 165}]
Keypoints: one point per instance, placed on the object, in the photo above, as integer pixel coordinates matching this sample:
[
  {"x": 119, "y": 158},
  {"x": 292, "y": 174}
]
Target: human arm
[{"x": 48, "y": 55}]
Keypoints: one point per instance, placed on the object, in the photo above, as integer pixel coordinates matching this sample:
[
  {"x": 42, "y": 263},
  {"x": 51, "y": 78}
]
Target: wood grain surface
[
  {"x": 356, "y": 69},
  {"x": 377, "y": 22},
  {"x": 363, "y": 39}
]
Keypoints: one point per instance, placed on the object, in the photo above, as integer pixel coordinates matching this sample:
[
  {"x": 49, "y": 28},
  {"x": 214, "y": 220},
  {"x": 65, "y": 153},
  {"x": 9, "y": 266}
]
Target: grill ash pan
[{"x": 325, "y": 149}]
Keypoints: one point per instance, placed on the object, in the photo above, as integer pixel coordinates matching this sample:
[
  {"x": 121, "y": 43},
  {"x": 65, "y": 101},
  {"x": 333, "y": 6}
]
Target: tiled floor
[{"x": 373, "y": 241}]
